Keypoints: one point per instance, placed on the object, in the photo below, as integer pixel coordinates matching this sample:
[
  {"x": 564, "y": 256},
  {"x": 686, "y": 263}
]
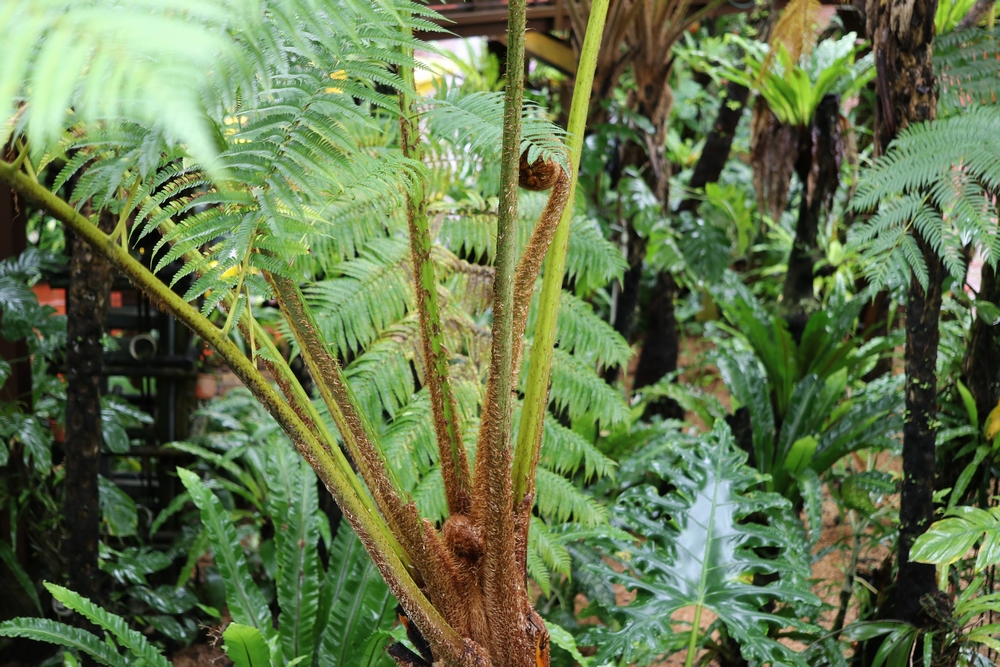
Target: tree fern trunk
[
  {"x": 87, "y": 315},
  {"x": 818, "y": 168},
  {"x": 903, "y": 37},
  {"x": 916, "y": 510}
]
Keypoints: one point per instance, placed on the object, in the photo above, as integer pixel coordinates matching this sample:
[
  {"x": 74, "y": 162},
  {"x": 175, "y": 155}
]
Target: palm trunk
[
  {"x": 661, "y": 345},
  {"x": 87, "y": 315},
  {"x": 718, "y": 143}
]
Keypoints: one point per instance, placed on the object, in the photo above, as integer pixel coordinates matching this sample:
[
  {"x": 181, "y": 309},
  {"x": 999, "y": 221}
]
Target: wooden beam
[{"x": 549, "y": 50}]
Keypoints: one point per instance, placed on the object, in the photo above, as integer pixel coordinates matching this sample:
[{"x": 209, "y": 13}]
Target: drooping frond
[
  {"x": 475, "y": 121},
  {"x": 280, "y": 127},
  {"x": 795, "y": 28},
  {"x": 150, "y": 61},
  {"x": 942, "y": 179},
  {"x": 429, "y": 496}
]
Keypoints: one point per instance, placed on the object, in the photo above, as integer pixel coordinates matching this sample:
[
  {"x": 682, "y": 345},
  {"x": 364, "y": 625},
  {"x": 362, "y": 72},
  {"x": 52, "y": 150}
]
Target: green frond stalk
[
  {"x": 457, "y": 483},
  {"x": 328, "y": 461},
  {"x": 536, "y": 395}
]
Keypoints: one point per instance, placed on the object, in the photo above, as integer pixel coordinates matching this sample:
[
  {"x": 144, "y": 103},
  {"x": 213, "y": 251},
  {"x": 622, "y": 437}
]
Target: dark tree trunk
[
  {"x": 818, "y": 169},
  {"x": 660, "y": 345},
  {"x": 628, "y": 296},
  {"x": 902, "y": 33},
  {"x": 87, "y": 314},
  {"x": 13, "y": 241},
  {"x": 981, "y": 366},
  {"x": 718, "y": 144},
  {"x": 916, "y": 508}
]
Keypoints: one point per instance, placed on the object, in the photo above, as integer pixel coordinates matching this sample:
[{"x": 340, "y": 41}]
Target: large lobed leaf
[
  {"x": 698, "y": 551},
  {"x": 948, "y": 540}
]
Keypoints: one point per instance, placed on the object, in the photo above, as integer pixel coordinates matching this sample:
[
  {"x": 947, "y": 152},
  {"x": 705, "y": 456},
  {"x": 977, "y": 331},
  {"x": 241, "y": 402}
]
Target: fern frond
[
  {"x": 546, "y": 553},
  {"x": 362, "y": 297},
  {"x": 53, "y": 632},
  {"x": 550, "y": 547},
  {"x": 429, "y": 496},
  {"x": 475, "y": 121},
  {"x": 579, "y": 329},
  {"x": 116, "y": 626},
  {"x": 582, "y": 393},
  {"x": 967, "y": 65},
  {"x": 942, "y": 179},
  {"x": 149, "y": 61},
  {"x": 591, "y": 260},
  {"x": 382, "y": 378},
  {"x": 561, "y": 501},
  {"x": 566, "y": 452}
]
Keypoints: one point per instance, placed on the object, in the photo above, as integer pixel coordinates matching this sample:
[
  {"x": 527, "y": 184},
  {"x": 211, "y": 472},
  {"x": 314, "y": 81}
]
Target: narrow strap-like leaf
[{"x": 246, "y": 603}]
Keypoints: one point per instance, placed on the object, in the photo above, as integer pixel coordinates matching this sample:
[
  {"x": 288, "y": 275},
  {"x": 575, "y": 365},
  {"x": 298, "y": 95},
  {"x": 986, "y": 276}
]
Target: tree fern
[{"x": 940, "y": 178}]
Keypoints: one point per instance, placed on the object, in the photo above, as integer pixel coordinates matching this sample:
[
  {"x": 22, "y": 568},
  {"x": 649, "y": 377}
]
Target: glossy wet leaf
[
  {"x": 948, "y": 540},
  {"x": 245, "y": 646}
]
